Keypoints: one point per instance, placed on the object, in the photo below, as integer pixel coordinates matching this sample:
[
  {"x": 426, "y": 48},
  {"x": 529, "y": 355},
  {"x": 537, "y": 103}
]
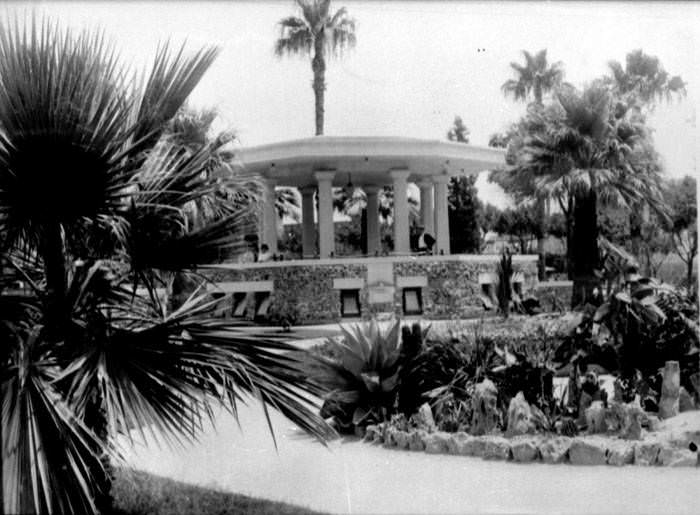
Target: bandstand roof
[{"x": 367, "y": 160}]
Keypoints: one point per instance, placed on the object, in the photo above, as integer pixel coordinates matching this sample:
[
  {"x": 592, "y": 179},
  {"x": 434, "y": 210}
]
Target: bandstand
[{"x": 325, "y": 287}]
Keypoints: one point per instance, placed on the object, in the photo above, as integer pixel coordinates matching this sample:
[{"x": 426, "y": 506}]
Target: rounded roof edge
[{"x": 338, "y": 147}]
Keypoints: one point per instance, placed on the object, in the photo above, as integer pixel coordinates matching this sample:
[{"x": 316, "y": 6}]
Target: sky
[{"x": 416, "y": 64}]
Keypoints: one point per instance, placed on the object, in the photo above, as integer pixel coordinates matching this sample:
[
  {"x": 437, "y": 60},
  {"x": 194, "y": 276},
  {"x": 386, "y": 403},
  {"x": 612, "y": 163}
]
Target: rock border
[{"x": 578, "y": 450}]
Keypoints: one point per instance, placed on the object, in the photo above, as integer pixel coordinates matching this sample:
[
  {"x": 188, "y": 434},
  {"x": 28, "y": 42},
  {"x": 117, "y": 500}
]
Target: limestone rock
[
  {"x": 674, "y": 457},
  {"x": 423, "y": 419},
  {"x": 389, "y": 437},
  {"x": 685, "y": 401},
  {"x": 373, "y": 434},
  {"x": 520, "y": 420},
  {"x": 457, "y": 441},
  {"x": 416, "y": 440},
  {"x": 555, "y": 450},
  {"x": 620, "y": 453},
  {"x": 497, "y": 448},
  {"x": 484, "y": 407},
  {"x": 587, "y": 452},
  {"x": 584, "y": 403},
  {"x": 632, "y": 422},
  {"x": 651, "y": 422},
  {"x": 436, "y": 443},
  {"x": 595, "y": 418},
  {"x": 524, "y": 449},
  {"x": 695, "y": 381},
  {"x": 647, "y": 453},
  {"x": 670, "y": 390},
  {"x": 474, "y": 447},
  {"x": 401, "y": 439}
]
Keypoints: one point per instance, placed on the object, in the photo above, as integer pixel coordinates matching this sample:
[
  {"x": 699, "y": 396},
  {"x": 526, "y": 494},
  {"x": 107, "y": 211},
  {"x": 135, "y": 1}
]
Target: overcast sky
[{"x": 416, "y": 64}]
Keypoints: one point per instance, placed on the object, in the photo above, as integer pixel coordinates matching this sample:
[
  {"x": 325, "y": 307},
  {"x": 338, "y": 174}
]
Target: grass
[{"x": 140, "y": 493}]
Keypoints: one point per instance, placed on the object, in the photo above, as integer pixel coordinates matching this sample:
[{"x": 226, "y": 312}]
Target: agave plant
[
  {"x": 95, "y": 216},
  {"x": 363, "y": 378}
]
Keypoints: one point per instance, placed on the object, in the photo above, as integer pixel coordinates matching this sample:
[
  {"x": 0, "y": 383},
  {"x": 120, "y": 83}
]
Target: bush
[
  {"x": 639, "y": 326},
  {"x": 365, "y": 373},
  {"x": 450, "y": 365}
]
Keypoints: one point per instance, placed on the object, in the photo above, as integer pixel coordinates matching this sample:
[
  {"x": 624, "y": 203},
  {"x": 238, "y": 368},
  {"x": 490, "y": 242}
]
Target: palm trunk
[
  {"x": 585, "y": 247},
  {"x": 318, "y": 65},
  {"x": 570, "y": 239},
  {"x": 541, "y": 265}
]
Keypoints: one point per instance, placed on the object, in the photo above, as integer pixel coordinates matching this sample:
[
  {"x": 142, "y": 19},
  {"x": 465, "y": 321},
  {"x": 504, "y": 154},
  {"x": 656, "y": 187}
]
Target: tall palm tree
[
  {"x": 94, "y": 202},
  {"x": 320, "y": 32},
  {"x": 583, "y": 149},
  {"x": 536, "y": 77},
  {"x": 643, "y": 80},
  {"x": 638, "y": 86}
]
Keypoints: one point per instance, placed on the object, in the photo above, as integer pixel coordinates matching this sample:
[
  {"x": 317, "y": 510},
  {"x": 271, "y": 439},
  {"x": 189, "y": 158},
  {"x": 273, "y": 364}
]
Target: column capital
[
  {"x": 440, "y": 179},
  {"x": 307, "y": 190},
  {"x": 324, "y": 175},
  {"x": 399, "y": 174},
  {"x": 271, "y": 181},
  {"x": 425, "y": 183},
  {"x": 371, "y": 189}
]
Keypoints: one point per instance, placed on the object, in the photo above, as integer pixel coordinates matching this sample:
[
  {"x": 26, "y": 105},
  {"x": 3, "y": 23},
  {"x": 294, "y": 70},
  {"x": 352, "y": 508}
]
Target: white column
[
  {"x": 373, "y": 238},
  {"x": 427, "y": 207},
  {"x": 442, "y": 224},
  {"x": 401, "y": 242},
  {"x": 308, "y": 232},
  {"x": 326, "y": 235},
  {"x": 269, "y": 232}
]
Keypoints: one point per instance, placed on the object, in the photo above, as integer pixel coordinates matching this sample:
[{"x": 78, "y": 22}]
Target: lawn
[{"x": 140, "y": 493}]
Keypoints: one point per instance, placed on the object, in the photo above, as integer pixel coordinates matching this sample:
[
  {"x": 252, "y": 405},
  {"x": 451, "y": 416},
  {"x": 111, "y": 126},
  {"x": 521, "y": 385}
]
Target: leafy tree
[
  {"x": 681, "y": 196},
  {"x": 464, "y": 206},
  {"x": 463, "y": 214},
  {"x": 322, "y": 32},
  {"x": 94, "y": 203},
  {"x": 459, "y": 132},
  {"x": 522, "y": 223},
  {"x": 499, "y": 139},
  {"x": 488, "y": 216}
]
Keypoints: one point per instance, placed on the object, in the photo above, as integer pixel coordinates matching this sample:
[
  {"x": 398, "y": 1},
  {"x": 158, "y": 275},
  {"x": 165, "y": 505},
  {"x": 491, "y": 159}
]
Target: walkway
[{"x": 353, "y": 477}]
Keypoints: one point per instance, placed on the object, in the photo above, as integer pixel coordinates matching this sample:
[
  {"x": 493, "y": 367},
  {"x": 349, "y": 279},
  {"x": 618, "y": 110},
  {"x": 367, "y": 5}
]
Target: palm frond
[{"x": 50, "y": 456}]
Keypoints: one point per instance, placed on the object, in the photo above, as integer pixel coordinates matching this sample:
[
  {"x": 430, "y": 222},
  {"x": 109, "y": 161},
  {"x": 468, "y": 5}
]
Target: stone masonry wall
[{"x": 452, "y": 286}]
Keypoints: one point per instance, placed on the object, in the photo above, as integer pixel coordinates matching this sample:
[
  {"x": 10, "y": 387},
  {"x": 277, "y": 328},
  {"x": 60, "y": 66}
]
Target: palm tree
[
  {"x": 94, "y": 215},
  {"x": 643, "y": 80},
  {"x": 319, "y": 31},
  {"x": 638, "y": 86},
  {"x": 583, "y": 150},
  {"x": 536, "y": 77}
]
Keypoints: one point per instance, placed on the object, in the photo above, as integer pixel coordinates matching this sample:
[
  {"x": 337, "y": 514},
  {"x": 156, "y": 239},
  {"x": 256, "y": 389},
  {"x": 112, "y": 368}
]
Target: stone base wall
[{"x": 451, "y": 286}]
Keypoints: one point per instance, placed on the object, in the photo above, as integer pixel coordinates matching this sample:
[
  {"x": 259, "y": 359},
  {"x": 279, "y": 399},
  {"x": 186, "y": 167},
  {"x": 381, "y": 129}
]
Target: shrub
[
  {"x": 639, "y": 326},
  {"x": 363, "y": 381}
]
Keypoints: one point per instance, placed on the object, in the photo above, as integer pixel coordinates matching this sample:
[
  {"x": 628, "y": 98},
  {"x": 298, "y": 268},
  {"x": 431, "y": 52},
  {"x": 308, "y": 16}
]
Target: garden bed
[{"x": 669, "y": 446}]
